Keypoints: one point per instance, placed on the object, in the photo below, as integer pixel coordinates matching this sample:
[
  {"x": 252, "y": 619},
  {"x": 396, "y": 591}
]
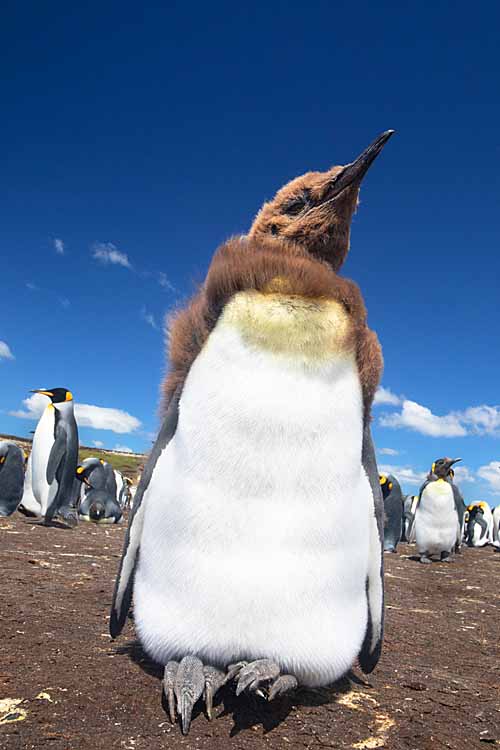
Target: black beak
[
  {"x": 353, "y": 173},
  {"x": 453, "y": 461}
]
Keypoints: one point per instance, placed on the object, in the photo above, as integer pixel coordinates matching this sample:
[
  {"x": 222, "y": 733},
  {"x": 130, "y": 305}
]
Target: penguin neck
[
  {"x": 291, "y": 326},
  {"x": 65, "y": 408}
]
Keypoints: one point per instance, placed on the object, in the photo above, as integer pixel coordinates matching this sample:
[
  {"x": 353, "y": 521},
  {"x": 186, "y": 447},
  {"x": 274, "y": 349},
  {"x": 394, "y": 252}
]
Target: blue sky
[{"x": 137, "y": 138}]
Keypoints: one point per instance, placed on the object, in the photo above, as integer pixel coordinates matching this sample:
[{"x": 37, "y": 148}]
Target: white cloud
[
  {"x": 475, "y": 420},
  {"x": 98, "y": 443},
  {"x": 483, "y": 420},
  {"x": 123, "y": 448},
  {"x": 87, "y": 415},
  {"x": 463, "y": 474},
  {"x": 404, "y": 474},
  {"x": 149, "y": 318},
  {"x": 31, "y": 286},
  {"x": 5, "y": 352},
  {"x": 388, "y": 452},
  {"x": 107, "y": 253},
  {"x": 386, "y": 396},
  {"x": 491, "y": 473},
  {"x": 164, "y": 282},
  {"x": 420, "y": 419},
  {"x": 59, "y": 246}
]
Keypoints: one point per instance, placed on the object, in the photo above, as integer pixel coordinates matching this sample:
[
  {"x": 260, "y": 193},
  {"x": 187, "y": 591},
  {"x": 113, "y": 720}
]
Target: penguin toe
[
  {"x": 169, "y": 676},
  {"x": 214, "y": 679},
  {"x": 184, "y": 684},
  {"x": 285, "y": 683},
  {"x": 254, "y": 675}
]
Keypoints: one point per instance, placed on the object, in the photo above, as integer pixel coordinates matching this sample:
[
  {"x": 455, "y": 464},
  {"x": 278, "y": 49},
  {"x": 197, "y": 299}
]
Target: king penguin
[
  {"x": 496, "y": 528},
  {"x": 479, "y": 525},
  {"x": 54, "y": 457},
  {"x": 11, "y": 477},
  {"x": 99, "y": 503},
  {"x": 393, "y": 511},
  {"x": 439, "y": 513},
  {"x": 410, "y": 505},
  {"x": 238, "y": 565}
]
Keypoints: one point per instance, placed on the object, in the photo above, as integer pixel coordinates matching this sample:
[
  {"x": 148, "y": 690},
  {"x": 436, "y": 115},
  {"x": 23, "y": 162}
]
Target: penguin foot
[
  {"x": 184, "y": 684},
  {"x": 261, "y": 677},
  {"x": 445, "y": 557},
  {"x": 425, "y": 559}
]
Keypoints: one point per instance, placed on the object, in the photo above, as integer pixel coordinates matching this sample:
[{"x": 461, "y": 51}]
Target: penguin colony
[
  {"x": 237, "y": 568},
  {"x": 53, "y": 487}
]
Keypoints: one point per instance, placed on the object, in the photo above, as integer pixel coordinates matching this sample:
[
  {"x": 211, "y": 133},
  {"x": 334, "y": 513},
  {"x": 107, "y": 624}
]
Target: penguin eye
[
  {"x": 294, "y": 206},
  {"x": 274, "y": 229}
]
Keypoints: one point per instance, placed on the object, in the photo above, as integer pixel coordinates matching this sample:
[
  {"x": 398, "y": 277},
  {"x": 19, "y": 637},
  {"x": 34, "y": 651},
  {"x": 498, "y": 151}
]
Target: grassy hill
[{"x": 127, "y": 463}]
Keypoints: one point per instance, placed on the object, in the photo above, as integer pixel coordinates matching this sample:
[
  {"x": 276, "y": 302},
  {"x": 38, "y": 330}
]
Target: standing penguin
[
  {"x": 54, "y": 457},
  {"x": 439, "y": 513},
  {"x": 496, "y": 527},
  {"x": 393, "y": 511},
  {"x": 479, "y": 525},
  {"x": 244, "y": 571},
  {"x": 29, "y": 504},
  {"x": 11, "y": 477},
  {"x": 410, "y": 505}
]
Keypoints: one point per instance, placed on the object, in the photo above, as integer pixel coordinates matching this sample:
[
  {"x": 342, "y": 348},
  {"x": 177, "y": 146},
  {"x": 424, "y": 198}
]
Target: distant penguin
[
  {"x": 54, "y": 457},
  {"x": 99, "y": 503},
  {"x": 236, "y": 549},
  {"x": 410, "y": 505},
  {"x": 479, "y": 525},
  {"x": 11, "y": 477},
  {"x": 496, "y": 527},
  {"x": 438, "y": 517},
  {"x": 393, "y": 511},
  {"x": 122, "y": 490},
  {"x": 29, "y": 504}
]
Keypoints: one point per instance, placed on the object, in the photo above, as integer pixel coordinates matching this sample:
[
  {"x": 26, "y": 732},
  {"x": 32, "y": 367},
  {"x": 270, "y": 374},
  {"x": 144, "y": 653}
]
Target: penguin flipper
[
  {"x": 372, "y": 643},
  {"x": 122, "y": 595},
  {"x": 56, "y": 454},
  {"x": 459, "y": 502}
]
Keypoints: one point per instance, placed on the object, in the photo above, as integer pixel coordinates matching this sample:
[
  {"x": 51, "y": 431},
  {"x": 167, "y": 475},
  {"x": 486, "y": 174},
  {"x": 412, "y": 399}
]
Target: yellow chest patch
[{"x": 286, "y": 324}]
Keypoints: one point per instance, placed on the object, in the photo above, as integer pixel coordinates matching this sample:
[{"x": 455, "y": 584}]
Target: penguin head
[
  {"x": 386, "y": 484},
  {"x": 441, "y": 467},
  {"x": 88, "y": 467},
  {"x": 315, "y": 210},
  {"x": 56, "y": 395}
]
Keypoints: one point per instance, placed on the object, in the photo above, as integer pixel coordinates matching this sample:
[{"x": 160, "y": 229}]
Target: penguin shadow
[{"x": 248, "y": 711}]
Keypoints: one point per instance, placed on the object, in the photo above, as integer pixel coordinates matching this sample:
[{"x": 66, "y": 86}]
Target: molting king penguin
[
  {"x": 393, "y": 511},
  {"x": 244, "y": 572},
  {"x": 11, "y": 477},
  {"x": 439, "y": 513},
  {"x": 54, "y": 457}
]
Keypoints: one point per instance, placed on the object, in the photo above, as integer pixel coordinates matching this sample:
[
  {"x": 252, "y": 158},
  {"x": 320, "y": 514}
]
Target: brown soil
[{"x": 437, "y": 684}]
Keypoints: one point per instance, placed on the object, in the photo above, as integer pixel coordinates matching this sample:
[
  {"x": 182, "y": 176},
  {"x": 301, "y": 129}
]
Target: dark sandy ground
[{"x": 437, "y": 684}]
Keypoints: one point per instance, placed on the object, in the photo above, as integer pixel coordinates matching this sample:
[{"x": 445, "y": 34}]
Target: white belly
[
  {"x": 436, "y": 520},
  {"x": 244, "y": 552},
  {"x": 43, "y": 440}
]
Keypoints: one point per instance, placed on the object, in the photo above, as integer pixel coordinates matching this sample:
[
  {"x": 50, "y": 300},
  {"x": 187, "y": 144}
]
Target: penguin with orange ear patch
[
  {"x": 238, "y": 567},
  {"x": 393, "y": 511}
]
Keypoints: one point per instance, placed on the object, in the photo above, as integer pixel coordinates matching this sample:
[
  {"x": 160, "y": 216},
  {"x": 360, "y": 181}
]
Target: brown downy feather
[{"x": 251, "y": 263}]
